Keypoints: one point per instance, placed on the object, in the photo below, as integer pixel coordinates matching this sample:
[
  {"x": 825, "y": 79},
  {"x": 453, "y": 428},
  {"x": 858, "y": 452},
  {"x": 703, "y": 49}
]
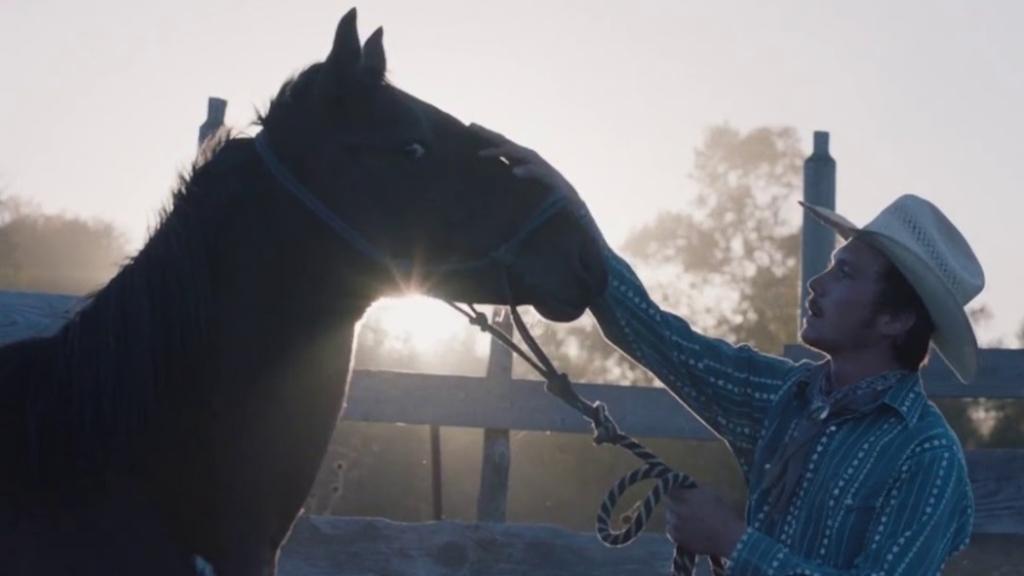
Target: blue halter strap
[{"x": 502, "y": 255}]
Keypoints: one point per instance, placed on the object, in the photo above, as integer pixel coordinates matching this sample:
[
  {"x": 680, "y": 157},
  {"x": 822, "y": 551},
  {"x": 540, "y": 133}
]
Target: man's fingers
[
  {"x": 510, "y": 152},
  {"x": 489, "y": 134},
  {"x": 495, "y": 151},
  {"x": 677, "y": 494},
  {"x": 530, "y": 171}
]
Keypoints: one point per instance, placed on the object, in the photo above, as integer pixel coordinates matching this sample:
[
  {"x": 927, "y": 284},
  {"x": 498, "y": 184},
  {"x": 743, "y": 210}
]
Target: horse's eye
[{"x": 414, "y": 151}]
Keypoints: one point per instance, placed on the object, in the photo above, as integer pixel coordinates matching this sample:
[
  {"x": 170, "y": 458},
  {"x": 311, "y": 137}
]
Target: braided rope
[{"x": 605, "y": 432}]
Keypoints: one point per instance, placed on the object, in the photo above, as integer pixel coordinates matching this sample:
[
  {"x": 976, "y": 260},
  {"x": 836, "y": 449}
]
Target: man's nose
[{"x": 815, "y": 284}]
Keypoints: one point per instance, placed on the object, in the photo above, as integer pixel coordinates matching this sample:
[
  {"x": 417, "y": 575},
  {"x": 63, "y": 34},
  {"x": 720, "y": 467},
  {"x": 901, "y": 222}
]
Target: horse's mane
[{"x": 94, "y": 390}]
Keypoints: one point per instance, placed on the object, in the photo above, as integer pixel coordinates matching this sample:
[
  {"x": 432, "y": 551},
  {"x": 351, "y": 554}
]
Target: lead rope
[{"x": 605, "y": 432}]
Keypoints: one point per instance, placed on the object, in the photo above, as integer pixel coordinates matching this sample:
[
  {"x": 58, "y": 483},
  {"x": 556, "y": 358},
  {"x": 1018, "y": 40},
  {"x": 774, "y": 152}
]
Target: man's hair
[{"x": 895, "y": 296}]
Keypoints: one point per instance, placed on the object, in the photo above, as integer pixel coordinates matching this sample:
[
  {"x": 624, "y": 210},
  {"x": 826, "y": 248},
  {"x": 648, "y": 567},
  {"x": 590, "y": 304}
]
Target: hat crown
[{"x": 923, "y": 229}]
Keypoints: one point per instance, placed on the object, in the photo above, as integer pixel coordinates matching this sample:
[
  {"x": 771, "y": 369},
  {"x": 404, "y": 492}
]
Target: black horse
[{"x": 184, "y": 412}]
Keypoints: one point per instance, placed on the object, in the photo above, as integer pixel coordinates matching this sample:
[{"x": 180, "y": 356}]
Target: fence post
[
  {"x": 818, "y": 241},
  {"x": 215, "y": 108},
  {"x": 435, "y": 471},
  {"x": 492, "y": 500}
]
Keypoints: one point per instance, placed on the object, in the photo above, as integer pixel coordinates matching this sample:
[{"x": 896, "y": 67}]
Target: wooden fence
[{"x": 498, "y": 403}]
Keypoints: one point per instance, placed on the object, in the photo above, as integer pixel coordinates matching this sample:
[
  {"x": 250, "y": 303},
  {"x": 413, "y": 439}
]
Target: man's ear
[{"x": 896, "y": 324}]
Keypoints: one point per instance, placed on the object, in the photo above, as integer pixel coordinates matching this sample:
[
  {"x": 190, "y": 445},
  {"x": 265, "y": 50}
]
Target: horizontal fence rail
[{"x": 499, "y": 403}]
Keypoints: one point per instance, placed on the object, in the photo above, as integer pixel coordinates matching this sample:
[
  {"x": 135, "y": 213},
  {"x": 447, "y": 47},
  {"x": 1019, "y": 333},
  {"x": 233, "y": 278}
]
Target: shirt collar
[{"x": 906, "y": 396}]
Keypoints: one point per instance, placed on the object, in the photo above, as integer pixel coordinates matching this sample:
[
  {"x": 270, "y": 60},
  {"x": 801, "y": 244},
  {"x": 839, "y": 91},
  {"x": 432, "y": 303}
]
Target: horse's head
[{"x": 406, "y": 178}]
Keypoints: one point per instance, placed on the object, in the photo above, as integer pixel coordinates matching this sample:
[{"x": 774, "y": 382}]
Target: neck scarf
[{"x": 825, "y": 407}]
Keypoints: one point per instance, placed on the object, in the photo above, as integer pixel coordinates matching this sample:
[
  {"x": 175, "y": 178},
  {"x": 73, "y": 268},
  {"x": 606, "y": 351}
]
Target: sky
[{"x": 101, "y": 101}]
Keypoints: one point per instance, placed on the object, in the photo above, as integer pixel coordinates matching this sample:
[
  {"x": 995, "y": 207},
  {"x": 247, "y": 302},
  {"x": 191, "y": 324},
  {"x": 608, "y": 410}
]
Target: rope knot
[
  {"x": 605, "y": 429},
  {"x": 479, "y": 320}
]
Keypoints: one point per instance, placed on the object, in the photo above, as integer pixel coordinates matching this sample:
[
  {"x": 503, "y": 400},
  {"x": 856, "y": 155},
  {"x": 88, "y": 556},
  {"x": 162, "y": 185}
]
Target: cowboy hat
[{"x": 935, "y": 259}]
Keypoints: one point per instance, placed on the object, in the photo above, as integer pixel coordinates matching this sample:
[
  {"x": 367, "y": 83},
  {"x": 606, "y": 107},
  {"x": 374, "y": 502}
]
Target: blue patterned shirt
[{"x": 883, "y": 492}]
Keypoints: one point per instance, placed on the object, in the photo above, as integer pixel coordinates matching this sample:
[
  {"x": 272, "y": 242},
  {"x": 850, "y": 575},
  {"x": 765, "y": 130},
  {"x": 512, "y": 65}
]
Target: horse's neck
[
  {"x": 281, "y": 279},
  {"x": 216, "y": 294}
]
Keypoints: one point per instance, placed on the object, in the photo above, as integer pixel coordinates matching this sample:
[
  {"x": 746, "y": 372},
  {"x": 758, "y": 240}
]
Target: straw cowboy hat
[{"x": 937, "y": 261}]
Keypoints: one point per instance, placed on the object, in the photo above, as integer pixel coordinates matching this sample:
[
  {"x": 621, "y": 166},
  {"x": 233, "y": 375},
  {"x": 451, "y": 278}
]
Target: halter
[
  {"x": 503, "y": 255},
  {"x": 556, "y": 383}
]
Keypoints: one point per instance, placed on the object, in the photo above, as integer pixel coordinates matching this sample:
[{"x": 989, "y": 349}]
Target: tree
[
  {"x": 55, "y": 253},
  {"x": 729, "y": 266}
]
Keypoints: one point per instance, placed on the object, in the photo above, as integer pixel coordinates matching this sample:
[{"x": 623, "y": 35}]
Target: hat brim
[{"x": 954, "y": 337}]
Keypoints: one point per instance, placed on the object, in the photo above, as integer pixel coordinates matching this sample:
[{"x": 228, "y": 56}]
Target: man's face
[{"x": 841, "y": 308}]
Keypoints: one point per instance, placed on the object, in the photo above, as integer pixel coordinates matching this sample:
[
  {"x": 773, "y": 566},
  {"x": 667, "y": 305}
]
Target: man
[{"x": 850, "y": 469}]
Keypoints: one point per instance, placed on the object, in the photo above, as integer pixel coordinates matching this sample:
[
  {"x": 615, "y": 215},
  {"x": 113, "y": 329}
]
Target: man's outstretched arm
[{"x": 729, "y": 387}]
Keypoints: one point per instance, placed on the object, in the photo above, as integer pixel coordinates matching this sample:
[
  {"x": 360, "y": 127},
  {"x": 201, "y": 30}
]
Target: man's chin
[{"x": 809, "y": 339}]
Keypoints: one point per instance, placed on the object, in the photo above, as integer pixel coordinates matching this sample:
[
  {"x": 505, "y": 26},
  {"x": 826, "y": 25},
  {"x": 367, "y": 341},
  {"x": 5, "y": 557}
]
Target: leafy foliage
[
  {"x": 729, "y": 266},
  {"x": 55, "y": 253}
]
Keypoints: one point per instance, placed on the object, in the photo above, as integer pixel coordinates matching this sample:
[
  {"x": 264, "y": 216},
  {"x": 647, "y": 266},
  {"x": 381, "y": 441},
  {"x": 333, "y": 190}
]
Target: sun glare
[{"x": 424, "y": 324}]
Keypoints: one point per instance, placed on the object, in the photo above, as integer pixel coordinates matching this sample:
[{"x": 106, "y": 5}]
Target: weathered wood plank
[
  {"x": 997, "y": 479},
  {"x": 436, "y": 489},
  {"x": 323, "y": 546},
  {"x": 997, "y": 475},
  {"x": 327, "y": 546},
  {"x": 1000, "y": 374},
  {"x": 32, "y": 314},
  {"x": 492, "y": 499},
  {"x": 386, "y": 396}
]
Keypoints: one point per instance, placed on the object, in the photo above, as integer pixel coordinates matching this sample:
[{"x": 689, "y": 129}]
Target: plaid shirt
[{"x": 883, "y": 491}]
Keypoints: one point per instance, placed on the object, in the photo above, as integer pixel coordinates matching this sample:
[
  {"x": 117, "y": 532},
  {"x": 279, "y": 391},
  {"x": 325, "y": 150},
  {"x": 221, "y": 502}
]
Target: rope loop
[{"x": 606, "y": 431}]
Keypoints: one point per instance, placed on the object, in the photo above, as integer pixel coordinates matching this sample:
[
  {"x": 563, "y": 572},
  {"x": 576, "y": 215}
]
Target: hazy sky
[{"x": 101, "y": 100}]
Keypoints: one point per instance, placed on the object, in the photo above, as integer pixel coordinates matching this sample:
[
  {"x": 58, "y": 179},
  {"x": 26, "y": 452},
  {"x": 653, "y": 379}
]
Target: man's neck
[{"x": 852, "y": 366}]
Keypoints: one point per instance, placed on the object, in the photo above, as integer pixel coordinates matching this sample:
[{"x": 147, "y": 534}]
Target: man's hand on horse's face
[
  {"x": 526, "y": 163},
  {"x": 699, "y": 521}
]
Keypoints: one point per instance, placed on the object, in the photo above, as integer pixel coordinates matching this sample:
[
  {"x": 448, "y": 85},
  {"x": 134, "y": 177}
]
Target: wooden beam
[
  {"x": 436, "y": 488},
  {"x": 215, "y": 109},
  {"x": 492, "y": 499},
  {"x": 398, "y": 397},
  {"x": 387, "y": 396},
  {"x": 1000, "y": 374},
  {"x": 321, "y": 545},
  {"x": 32, "y": 314},
  {"x": 350, "y": 546},
  {"x": 997, "y": 479}
]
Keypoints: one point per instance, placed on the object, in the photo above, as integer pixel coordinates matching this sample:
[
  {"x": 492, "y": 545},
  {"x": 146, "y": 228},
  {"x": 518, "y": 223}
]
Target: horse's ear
[
  {"x": 374, "y": 62},
  {"x": 343, "y": 61}
]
